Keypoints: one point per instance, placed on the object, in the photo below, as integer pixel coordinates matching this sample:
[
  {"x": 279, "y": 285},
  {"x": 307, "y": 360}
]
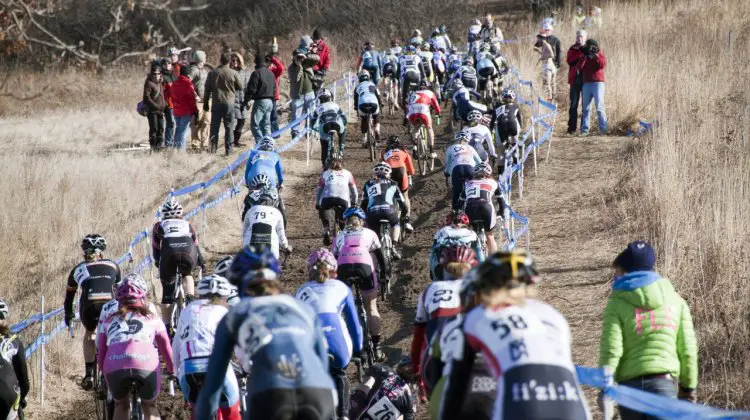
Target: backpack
[{"x": 141, "y": 109}]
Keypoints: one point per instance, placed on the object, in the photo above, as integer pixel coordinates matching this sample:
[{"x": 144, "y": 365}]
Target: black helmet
[
  {"x": 393, "y": 142},
  {"x": 379, "y": 371},
  {"x": 424, "y": 84},
  {"x": 93, "y": 243}
]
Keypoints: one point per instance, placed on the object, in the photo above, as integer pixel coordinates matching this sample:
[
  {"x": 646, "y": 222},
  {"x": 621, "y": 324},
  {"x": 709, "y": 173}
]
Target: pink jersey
[
  {"x": 128, "y": 343},
  {"x": 354, "y": 246}
]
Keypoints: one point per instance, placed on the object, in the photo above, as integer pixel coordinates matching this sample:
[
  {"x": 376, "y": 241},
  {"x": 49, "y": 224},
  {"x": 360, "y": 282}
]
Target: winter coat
[
  {"x": 240, "y": 111},
  {"x": 221, "y": 86},
  {"x": 153, "y": 97},
  {"x": 593, "y": 68},
  {"x": 277, "y": 68},
  {"x": 325, "y": 56},
  {"x": 183, "y": 97},
  {"x": 262, "y": 84},
  {"x": 575, "y": 57}
]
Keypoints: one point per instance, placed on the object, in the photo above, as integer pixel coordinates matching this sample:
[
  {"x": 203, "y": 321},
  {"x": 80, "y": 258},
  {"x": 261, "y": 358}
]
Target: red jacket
[
  {"x": 593, "y": 68},
  {"x": 277, "y": 68},
  {"x": 325, "y": 56},
  {"x": 183, "y": 97},
  {"x": 575, "y": 56}
]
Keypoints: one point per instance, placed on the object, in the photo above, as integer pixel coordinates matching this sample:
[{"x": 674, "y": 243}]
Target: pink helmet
[
  {"x": 130, "y": 294},
  {"x": 321, "y": 255}
]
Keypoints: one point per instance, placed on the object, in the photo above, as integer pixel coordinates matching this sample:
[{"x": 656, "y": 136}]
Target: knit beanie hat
[{"x": 638, "y": 256}]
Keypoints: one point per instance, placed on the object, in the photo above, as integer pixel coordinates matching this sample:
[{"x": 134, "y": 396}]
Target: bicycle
[
  {"x": 371, "y": 140},
  {"x": 242, "y": 378},
  {"x": 478, "y": 226},
  {"x": 104, "y": 407},
  {"x": 425, "y": 161},
  {"x": 136, "y": 410},
  {"x": 387, "y": 245},
  {"x": 389, "y": 93},
  {"x": 359, "y": 302},
  {"x": 179, "y": 301},
  {"x": 333, "y": 139}
]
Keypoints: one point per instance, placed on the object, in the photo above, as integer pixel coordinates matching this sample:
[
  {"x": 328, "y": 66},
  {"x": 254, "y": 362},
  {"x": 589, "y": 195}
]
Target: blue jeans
[
  {"x": 660, "y": 386},
  {"x": 275, "y": 117},
  {"x": 300, "y": 107},
  {"x": 261, "y": 118},
  {"x": 593, "y": 91},
  {"x": 169, "y": 132},
  {"x": 182, "y": 131}
]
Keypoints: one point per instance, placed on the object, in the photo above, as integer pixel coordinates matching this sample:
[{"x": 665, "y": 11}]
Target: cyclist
[
  {"x": 525, "y": 341},
  {"x": 328, "y": 118},
  {"x": 332, "y": 300},
  {"x": 258, "y": 184},
  {"x": 454, "y": 62},
  {"x": 175, "y": 249},
  {"x": 367, "y": 99},
  {"x": 14, "y": 374},
  {"x": 194, "y": 341},
  {"x": 263, "y": 226},
  {"x": 382, "y": 200},
  {"x": 412, "y": 72},
  {"x": 281, "y": 337},
  {"x": 444, "y": 33},
  {"x": 385, "y": 393},
  {"x": 421, "y": 103},
  {"x": 391, "y": 73},
  {"x": 480, "y": 136},
  {"x": 402, "y": 169},
  {"x": 264, "y": 160},
  {"x": 371, "y": 62},
  {"x": 507, "y": 122},
  {"x": 455, "y": 232},
  {"x": 437, "y": 304},
  {"x": 222, "y": 269},
  {"x": 395, "y": 47},
  {"x": 429, "y": 70},
  {"x": 474, "y": 28},
  {"x": 95, "y": 276},
  {"x": 128, "y": 344},
  {"x": 476, "y": 200},
  {"x": 416, "y": 38},
  {"x": 466, "y": 73},
  {"x": 460, "y": 160},
  {"x": 438, "y": 41},
  {"x": 463, "y": 103},
  {"x": 486, "y": 66},
  {"x": 440, "y": 64},
  {"x": 336, "y": 192},
  {"x": 353, "y": 249}
]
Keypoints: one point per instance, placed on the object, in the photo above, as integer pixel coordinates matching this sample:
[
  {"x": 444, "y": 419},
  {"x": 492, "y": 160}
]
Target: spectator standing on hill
[
  {"x": 173, "y": 55},
  {"x": 575, "y": 78},
  {"x": 648, "y": 338},
  {"x": 579, "y": 17},
  {"x": 553, "y": 41},
  {"x": 185, "y": 107},
  {"x": 198, "y": 73},
  {"x": 547, "y": 69},
  {"x": 276, "y": 66},
  {"x": 167, "y": 79},
  {"x": 156, "y": 104},
  {"x": 240, "y": 110},
  {"x": 320, "y": 47},
  {"x": 221, "y": 89},
  {"x": 592, "y": 68},
  {"x": 301, "y": 84},
  {"x": 261, "y": 89}
]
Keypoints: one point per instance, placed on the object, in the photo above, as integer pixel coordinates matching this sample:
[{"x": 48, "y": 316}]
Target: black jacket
[
  {"x": 554, "y": 42},
  {"x": 262, "y": 85}
]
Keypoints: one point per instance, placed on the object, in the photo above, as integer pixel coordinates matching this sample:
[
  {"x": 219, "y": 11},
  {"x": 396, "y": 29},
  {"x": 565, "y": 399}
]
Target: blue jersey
[
  {"x": 264, "y": 162},
  {"x": 282, "y": 338},
  {"x": 334, "y": 303}
]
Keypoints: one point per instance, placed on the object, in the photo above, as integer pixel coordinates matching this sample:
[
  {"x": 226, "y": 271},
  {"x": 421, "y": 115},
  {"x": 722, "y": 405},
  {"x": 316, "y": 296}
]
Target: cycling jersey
[
  {"x": 507, "y": 121},
  {"x": 332, "y": 300},
  {"x": 474, "y": 32},
  {"x": 381, "y": 194},
  {"x": 282, "y": 338},
  {"x": 427, "y": 68},
  {"x": 371, "y": 61},
  {"x": 390, "y": 65},
  {"x": 395, "y": 51},
  {"x": 456, "y": 235},
  {"x": 264, "y": 162},
  {"x": 402, "y": 166},
  {"x": 175, "y": 248},
  {"x": 460, "y": 155},
  {"x": 329, "y": 117},
  {"x": 367, "y": 98},
  {"x": 454, "y": 62},
  {"x": 389, "y": 398},
  {"x": 463, "y": 95},
  {"x": 14, "y": 376},
  {"x": 439, "y": 62},
  {"x": 476, "y": 200},
  {"x": 353, "y": 250},
  {"x": 486, "y": 64},
  {"x": 528, "y": 348},
  {"x": 439, "y": 42},
  {"x": 110, "y": 308},
  {"x": 420, "y": 104},
  {"x": 253, "y": 197},
  {"x": 480, "y": 138},
  {"x": 336, "y": 184},
  {"x": 412, "y": 70},
  {"x": 96, "y": 280},
  {"x": 263, "y": 227}
]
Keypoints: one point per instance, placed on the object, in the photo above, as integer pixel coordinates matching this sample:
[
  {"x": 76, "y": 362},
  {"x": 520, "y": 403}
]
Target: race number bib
[
  {"x": 442, "y": 298},
  {"x": 419, "y": 108},
  {"x": 473, "y": 191},
  {"x": 80, "y": 274},
  {"x": 383, "y": 410},
  {"x": 452, "y": 341},
  {"x": 374, "y": 190},
  {"x": 307, "y": 295}
]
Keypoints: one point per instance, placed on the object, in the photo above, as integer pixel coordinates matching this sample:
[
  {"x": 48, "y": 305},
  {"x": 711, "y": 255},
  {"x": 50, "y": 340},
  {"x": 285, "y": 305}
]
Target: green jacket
[{"x": 648, "y": 330}]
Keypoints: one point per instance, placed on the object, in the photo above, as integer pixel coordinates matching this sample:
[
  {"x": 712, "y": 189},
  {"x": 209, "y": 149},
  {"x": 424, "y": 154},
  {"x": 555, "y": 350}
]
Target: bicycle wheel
[
  {"x": 371, "y": 141},
  {"x": 100, "y": 395},
  {"x": 366, "y": 338},
  {"x": 420, "y": 155},
  {"x": 136, "y": 411},
  {"x": 428, "y": 157}
]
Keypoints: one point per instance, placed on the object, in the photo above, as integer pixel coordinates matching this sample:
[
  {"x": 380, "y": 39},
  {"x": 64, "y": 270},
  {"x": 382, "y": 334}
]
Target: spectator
[
  {"x": 167, "y": 79},
  {"x": 592, "y": 68},
  {"x": 320, "y": 47},
  {"x": 174, "y": 58},
  {"x": 197, "y": 73},
  {"x": 579, "y": 17},
  {"x": 185, "y": 107},
  {"x": 547, "y": 69},
  {"x": 222, "y": 84},
  {"x": 156, "y": 104},
  {"x": 594, "y": 19},
  {"x": 277, "y": 68},
  {"x": 575, "y": 79},
  {"x": 647, "y": 337},
  {"x": 261, "y": 89},
  {"x": 489, "y": 32},
  {"x": 553, "y": 41},
  {"x": 240, "y": 110},
  {"x": 301, "y": 85}
]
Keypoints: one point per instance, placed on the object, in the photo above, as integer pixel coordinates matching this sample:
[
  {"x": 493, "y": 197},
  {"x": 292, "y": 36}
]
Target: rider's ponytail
[{"x": 354, "y": 223}]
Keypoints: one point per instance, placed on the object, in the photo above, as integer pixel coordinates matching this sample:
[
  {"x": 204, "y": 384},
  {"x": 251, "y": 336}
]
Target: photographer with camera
[
  {"x": 301, "y": 78},
  {"x": 575, "y": 79},
  {"x": 320, "y": 69},
  {"x": 592, "y": 70}
]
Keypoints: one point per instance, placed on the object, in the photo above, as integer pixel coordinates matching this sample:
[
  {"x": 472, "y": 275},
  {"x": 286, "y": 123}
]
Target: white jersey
[
  {"x": 440, "y": 299},
  {"x": 176, "y": 228},
  {"x": 337, "y": 184},
  {"x": 464, "y": 235},
  {"x": 460, "y": 154},
  {"x": 480, "y": 138},
  {"x": 195, "y": 333},
  {"x": 264, "y": 226},
  {"x": 328, "y": 299},
  {"x": 410, "y": 63},
  {"x": 395, "y": 51},
  {"x": 367, "y": 94}
]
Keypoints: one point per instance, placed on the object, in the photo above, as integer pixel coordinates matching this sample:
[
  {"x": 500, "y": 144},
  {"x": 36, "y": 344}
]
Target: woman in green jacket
[{"x": 648, "y": 338}]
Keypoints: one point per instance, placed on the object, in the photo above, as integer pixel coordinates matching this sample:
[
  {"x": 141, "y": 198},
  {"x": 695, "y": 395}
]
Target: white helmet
[
  {"x": 214, "y": 285},
  {"x": 3, "y": 309},
  {"x": 474, "y": 116},
  {"x": 382, "y": 169},
  {"x": 221, "y": 267},
  {"x": 171, "y": 209},
  {"x": 136, "y": 280}
]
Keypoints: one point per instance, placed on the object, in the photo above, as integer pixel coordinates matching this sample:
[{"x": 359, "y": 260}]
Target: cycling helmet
[
  {"x": 260, "y": 181},
  {"x": 395, "y": 42},
  {"x": 130, "y": 294},
  {"x": 435, "y": 32},
  {"x": 468, "y": 61},
  {"x": 379, "y": 371},
  {"x": 474, "y": 116},
  {"x": 136, "y": 280},
  {"x": 508, "y": 95},
  {"x": 484, "y": 169},
  {"x": 336, "y": 156},
  {"x": 405, "y": 369},
  {"x": 461, "y": 136},
  {"x": 416, "y": 42},
  {"x": 93, "y": 243},
  {"x": 382, "y": 169},
  {"x": 393, "y": 142},
  {"x": 368, "y": 45},
  {"x": 424, "y": 85},
  {"x": 416, "y": 33},
  {"x": 324, "y": 96},
  {"x": 476, "y": 22},
  {"x": 506, "y": 270},
  {"x": 443, "y": 29},
  {"x": 249, "y": 265},
  {"x": 425, "y": 46},
  {"x": 214, "y": 285},
  {"x": 267, "y": 143},
  {"x": 222, "y": 267},
  {"x": 171, "y": 209},
  {"x": 354, "y": 211},
  {"x": 410, "y": 49},
  {"x": 457, "y": 217},
  {"x": 364, "y": 76},
  {"x": 321, "y": 256},
  {"x": 3, "y": 310},
  {"x": 458, "y": 254},
  {"x": 268, "y": 196}
]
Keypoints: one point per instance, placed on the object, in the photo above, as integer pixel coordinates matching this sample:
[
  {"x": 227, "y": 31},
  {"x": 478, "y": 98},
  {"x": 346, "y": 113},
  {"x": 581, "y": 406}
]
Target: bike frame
[{"x": 359, "y": 302}]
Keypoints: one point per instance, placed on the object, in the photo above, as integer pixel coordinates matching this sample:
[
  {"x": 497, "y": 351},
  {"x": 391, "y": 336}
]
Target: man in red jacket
[
  {"x": 575, "y": 79},
  {"x": 277, "y": 68},
  {"x": 592, "y": 69},
  {"x": 321, "y": 48},
  {"x": 185, "y": 107}
]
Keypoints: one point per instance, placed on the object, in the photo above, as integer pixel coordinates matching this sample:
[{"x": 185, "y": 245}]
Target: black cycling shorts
[
  {"x": 300, "y": 404},
  {"x": 389, "y": 69},
  {"x": 478, "y": 209},
  {"x": 119, "y": 380},
  {"x": 176, "y": 254},
  {"x": 374, "y": 218},
  {"x": 90, "y": 312},
  {"x": 362, "y": 272},
  {"x": 469, "y": 82},
  {"x": 332, "y": 209},
  {"x": 398, "y": 175},
  {"x": 332, "y": 126},
  {"x": 10, "y": 393},
  {"x": 365, "y": 122}
]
